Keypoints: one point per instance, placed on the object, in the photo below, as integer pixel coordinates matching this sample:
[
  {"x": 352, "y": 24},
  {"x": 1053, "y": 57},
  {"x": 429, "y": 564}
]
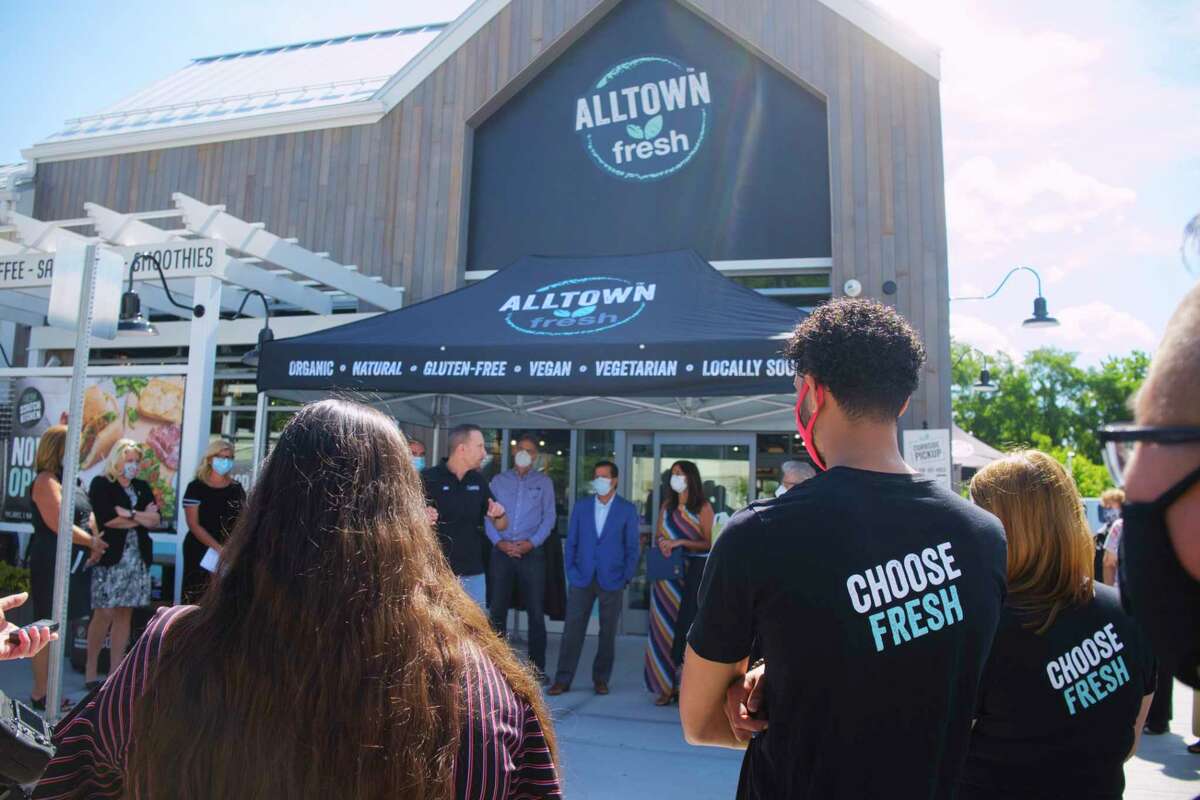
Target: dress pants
[
  {"x": 579, "y": 610},
  {"x": 1161, "y": 706},
  {"x": 529, "y": 573}
]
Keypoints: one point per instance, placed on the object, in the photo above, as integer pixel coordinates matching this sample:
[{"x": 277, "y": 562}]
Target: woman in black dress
[
  {"x": 47, "y": 498},
  {"x": 211, "y": 503},
  {"x": 125, "y": 508}
]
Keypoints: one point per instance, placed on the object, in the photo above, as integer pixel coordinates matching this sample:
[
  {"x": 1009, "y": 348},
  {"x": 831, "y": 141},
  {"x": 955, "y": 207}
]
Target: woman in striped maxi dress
[{"x": 685, "y": 520}]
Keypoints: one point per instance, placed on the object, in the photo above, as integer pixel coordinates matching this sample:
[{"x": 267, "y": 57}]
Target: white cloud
[
  {"x": 982, "y": 334},
  {"x": 988, "y": 206},
  {"x": 1099, "y": 328}
]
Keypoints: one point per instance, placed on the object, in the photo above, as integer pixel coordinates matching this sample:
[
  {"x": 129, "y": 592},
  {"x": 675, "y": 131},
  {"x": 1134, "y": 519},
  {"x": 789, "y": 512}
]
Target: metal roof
[
  {"x": 336, "y": 82},
  {"x": 300, "y": 76}
]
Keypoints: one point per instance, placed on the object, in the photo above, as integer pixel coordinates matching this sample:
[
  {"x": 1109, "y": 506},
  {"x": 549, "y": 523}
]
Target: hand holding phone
[{"x": 14, "y": 637}]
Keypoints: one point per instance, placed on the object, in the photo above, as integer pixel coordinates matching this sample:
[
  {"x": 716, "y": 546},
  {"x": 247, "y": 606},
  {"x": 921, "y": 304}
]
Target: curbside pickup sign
[
  {"x": 928, "y": 451},
  {"x": 645, "y": 118}
]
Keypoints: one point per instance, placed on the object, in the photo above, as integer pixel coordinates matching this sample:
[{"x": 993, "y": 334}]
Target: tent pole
[{"x": 437, "y": 426}]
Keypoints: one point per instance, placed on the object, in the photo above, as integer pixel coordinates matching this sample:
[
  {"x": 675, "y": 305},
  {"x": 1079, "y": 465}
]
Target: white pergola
[{"x": 304, "y": 285}]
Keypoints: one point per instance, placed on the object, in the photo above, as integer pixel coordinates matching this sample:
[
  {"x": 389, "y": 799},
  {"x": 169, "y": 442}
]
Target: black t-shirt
[
  {"x": 461, "y": 507},
  {"x": 1056, "y": 710},
  {"x": 875, "y": 598},
  {"x": 218, "y": 508}
]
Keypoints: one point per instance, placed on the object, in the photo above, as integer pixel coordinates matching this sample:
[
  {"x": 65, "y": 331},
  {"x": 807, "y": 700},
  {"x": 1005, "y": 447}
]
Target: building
[{"x": 794, "y": 144}]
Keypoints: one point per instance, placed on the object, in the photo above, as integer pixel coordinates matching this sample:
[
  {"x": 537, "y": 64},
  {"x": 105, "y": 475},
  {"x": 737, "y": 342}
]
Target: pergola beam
[
  {"x": 213, "y": 221},
  {"x": 126, "y": 229}
]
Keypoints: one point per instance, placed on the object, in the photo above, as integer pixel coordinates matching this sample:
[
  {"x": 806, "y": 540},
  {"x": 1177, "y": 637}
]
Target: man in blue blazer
[{"x": 601, "y": 557}]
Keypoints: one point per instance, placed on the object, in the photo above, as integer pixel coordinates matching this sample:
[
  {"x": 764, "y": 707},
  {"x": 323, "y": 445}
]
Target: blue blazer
[{"x": 610, "y": 558}]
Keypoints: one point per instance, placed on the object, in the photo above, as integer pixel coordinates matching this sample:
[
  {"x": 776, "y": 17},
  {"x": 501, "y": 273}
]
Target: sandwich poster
[{"x": 148, "y": 410}]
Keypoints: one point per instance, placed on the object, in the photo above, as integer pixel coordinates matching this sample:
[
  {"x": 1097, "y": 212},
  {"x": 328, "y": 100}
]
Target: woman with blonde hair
[
  {"x": 211, "y": 504},
  {"x": 336, "y": 655},
  {"x": 47, "y": 496},
  {"x": 1070, "y": 679},
  {"x": 123, "y": 505}
]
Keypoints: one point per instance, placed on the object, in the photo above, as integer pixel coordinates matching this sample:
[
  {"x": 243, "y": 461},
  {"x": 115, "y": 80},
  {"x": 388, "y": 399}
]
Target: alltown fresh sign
[{"x": 645, "y": 118}]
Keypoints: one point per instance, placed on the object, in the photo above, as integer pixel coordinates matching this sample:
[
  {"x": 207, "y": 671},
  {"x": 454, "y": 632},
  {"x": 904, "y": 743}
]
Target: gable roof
[{"x": 335, "y": 82}]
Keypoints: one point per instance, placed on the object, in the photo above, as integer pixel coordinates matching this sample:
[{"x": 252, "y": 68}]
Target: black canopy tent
[{"x": 577, "y": 341}]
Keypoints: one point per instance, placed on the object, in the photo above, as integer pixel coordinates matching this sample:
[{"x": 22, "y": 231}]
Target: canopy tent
[
  {"x": 578, "y": 341},
  {"x": 970, "y": 452}
]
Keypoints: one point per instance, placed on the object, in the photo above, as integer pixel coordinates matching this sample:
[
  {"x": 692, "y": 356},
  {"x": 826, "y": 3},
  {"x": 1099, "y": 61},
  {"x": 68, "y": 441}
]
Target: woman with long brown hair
[
  {"x": 1069, "y": 679},
  {"x": 336, "y": 655},
  {"x": 685, "y": 521}
]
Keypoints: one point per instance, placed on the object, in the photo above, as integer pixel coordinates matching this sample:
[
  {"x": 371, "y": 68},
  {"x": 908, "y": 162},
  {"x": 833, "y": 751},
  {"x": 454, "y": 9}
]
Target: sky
[{"x": 1070, "y": 132}]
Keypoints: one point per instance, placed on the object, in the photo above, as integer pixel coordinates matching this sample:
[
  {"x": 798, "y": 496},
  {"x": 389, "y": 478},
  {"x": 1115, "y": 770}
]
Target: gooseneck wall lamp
[
  {"x": 984, "y": 385},
  {"x": 1041, "y": 316},
  {"x": 265, "y": 335},
  {"x": 131, "y": 320}
]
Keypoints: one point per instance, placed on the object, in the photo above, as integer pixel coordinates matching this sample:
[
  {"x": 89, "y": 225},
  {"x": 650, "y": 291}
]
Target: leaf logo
[
  {"x": 636, "y": 132},
  {"x": 558, "y": 312},
  {"x": 654, "y": 126},
  {"x": 583, "y": 311}
]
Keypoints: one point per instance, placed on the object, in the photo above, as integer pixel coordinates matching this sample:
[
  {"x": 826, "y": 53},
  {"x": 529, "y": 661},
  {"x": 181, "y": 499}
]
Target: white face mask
[
  {"x": 487, "y": 459},
  {"x": 679, "y": 483},
  {"x": 602, "y": 486},
  {"x": 781, "y": 491},
  {"x": 522, "y": 459}
]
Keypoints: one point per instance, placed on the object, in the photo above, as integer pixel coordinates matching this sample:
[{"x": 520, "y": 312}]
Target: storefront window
[
  {"x": 594, "y": 447},
  {"x": 555, "y": 461},
  {"x": 773, "y": 450}
]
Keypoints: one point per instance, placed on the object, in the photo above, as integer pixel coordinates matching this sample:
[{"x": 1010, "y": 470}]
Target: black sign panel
[{"x": 655, "y": 131}]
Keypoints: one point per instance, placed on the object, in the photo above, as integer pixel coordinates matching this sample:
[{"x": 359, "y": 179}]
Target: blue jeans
[{"x": 476, "y": 586}]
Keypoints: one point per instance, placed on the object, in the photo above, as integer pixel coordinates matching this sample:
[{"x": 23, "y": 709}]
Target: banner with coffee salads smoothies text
[{"x": 148, "y": 410}]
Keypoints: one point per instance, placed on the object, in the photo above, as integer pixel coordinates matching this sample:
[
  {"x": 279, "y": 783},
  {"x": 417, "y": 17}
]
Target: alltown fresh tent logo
[
  {"x": 645, "y": 119},
  {"x": 577, "y": 306}
]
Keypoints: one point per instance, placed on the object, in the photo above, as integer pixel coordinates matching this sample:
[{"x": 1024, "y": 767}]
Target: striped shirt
[{"x": 502, "y": 752}]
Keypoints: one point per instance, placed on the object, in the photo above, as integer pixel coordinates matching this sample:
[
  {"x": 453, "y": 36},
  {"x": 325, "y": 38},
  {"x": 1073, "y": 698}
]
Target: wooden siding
[{"x": 391, "y": 197}]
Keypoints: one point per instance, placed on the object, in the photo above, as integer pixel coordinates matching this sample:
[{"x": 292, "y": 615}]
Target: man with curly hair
[{"x": 873, "y": 593}]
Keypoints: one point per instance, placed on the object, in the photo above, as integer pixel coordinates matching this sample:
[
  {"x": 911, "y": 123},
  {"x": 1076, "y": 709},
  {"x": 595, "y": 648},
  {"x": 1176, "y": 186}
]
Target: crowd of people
[{"x": 863, "y": 633}]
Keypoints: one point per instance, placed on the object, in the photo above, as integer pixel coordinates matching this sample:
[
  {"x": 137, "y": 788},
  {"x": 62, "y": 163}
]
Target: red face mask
[{"x": 806, "y": 431}]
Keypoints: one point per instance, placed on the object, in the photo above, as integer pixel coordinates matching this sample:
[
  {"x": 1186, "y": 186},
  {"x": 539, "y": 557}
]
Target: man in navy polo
[{"x": 601, "y": 558}]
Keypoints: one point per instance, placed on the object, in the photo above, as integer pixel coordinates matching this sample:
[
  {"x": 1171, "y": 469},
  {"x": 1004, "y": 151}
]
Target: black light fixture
[
  {"x": 265, "y": 335},
  {"x": 984, "y": 385},
  {"x": 131, "y": 322},
  {"x": 1041, "y": 317}
]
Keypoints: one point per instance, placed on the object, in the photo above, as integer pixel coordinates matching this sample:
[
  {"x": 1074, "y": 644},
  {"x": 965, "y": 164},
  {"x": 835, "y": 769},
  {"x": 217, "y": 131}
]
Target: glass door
[
  {"x": 726, "y": 465},
  {"x": 642, "y": 490}
]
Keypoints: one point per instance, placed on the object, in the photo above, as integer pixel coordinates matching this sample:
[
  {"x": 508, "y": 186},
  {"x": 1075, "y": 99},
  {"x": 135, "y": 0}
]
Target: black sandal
[
  {"x": 92, "y": 686},
  {"x": 38, "y": 705},
  {"x": 1194, "y": 748}
]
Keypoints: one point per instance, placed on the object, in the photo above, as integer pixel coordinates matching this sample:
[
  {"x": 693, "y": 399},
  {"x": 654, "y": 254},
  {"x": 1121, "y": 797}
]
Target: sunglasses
[{"x": 1119, "y": 439}]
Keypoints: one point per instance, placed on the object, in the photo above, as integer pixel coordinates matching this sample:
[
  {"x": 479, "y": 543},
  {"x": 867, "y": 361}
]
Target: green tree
[{"x": 1047, "y": 401}]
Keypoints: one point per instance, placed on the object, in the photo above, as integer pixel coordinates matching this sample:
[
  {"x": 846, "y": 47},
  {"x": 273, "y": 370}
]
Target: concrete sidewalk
[{"x": 623, "y": 746}]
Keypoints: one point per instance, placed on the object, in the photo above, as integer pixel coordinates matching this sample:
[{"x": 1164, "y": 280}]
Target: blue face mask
[
  {"x": 419, "y": 463},
  {"x": 130, "y": 470},
  {"x": 222, "y": 466}
]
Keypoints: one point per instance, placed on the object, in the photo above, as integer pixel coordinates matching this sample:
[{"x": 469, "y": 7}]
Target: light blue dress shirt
[
  {"x": 529, "y": 502},
  {"x": 602, "y": 514}
]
